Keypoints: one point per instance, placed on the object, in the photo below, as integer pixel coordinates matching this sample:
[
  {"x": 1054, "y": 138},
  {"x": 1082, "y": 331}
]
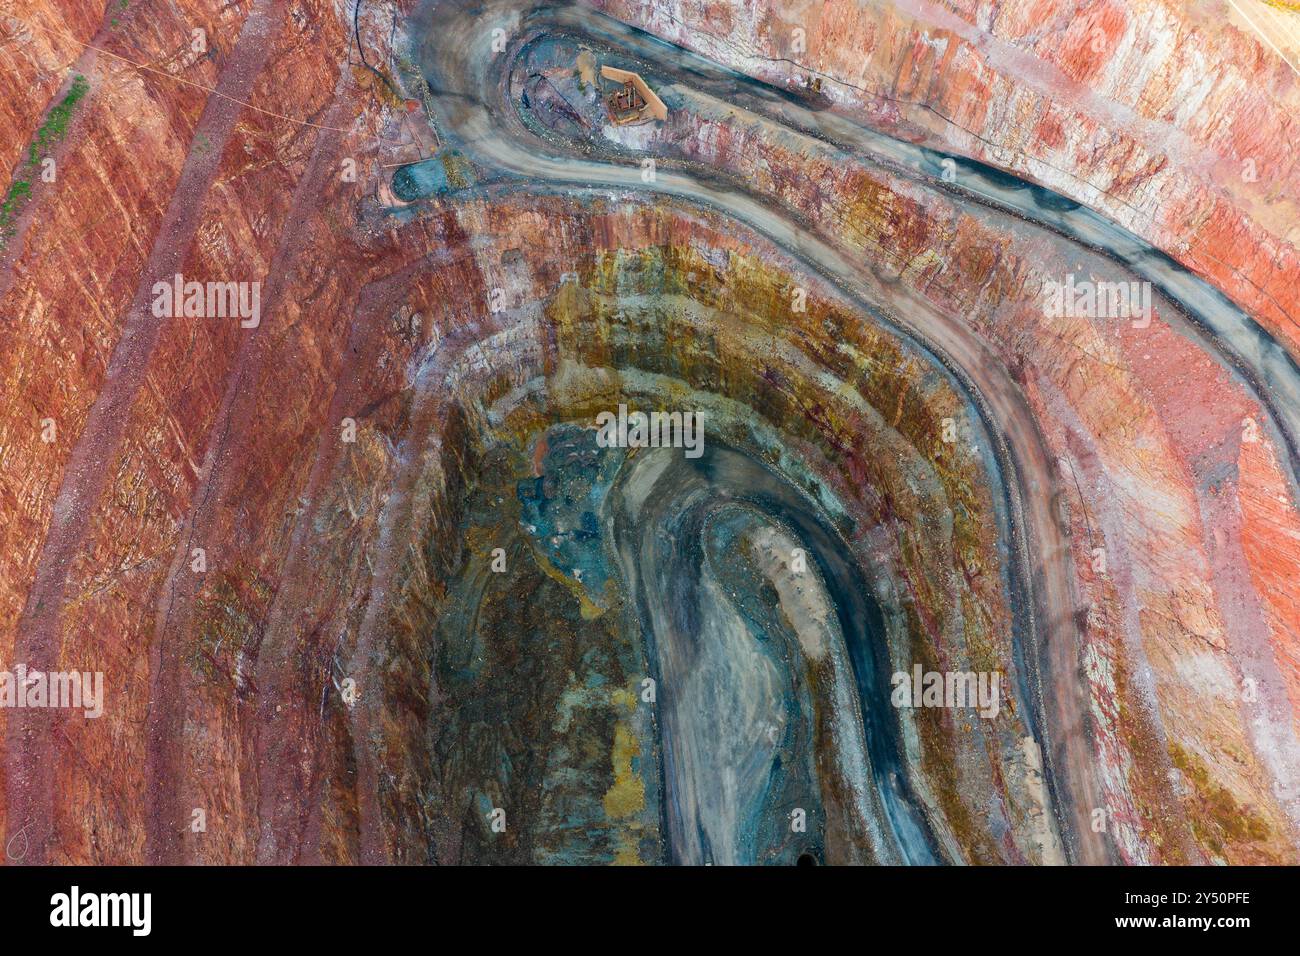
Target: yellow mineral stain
[
  {"x": 623, "y": 697},
  {"x": 626, "y": 796},
  {"x": 587, "y": 608}
]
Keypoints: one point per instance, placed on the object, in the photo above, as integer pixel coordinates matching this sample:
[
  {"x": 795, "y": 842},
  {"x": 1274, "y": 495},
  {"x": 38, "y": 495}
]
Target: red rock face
[{"x": 264, "y": 535}]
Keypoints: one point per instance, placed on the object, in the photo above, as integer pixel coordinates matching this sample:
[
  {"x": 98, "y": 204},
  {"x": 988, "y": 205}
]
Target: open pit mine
[{"x": 670, "y": 432}]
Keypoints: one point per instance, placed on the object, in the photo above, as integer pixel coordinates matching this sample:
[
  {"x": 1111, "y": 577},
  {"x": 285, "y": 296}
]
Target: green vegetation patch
[
  {"x": 55, "y": 126},
  {"x": 51, "y": 132}
]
